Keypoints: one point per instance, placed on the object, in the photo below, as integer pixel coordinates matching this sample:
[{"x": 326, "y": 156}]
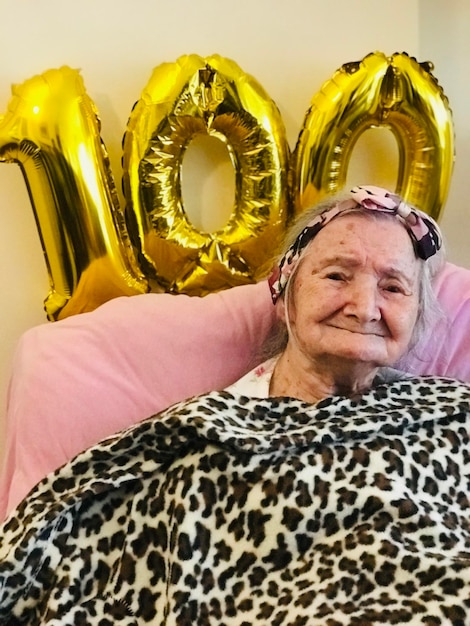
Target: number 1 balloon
[{"x": 51, "y": 129}]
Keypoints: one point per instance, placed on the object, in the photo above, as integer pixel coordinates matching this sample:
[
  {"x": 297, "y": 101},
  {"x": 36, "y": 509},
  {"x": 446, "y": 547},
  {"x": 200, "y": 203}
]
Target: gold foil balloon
[
  {"x": 204, "y": 96},
  {"x": 394, "y": 92},
  {"x": 51, "y": 129}
]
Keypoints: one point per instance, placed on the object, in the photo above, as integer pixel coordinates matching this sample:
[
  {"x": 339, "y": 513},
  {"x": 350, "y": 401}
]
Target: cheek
[
  {"x": 311, "y": 301},
  {"x": 403, "y": 321}
]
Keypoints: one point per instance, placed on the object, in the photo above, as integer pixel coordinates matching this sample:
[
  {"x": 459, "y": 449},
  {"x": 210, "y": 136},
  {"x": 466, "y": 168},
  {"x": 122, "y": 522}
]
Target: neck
[{"x": 297, "y": 377}]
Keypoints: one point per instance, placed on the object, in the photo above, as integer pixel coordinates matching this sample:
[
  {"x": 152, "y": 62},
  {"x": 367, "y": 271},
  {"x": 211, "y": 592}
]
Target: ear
[{"x": 280, "y": 310}]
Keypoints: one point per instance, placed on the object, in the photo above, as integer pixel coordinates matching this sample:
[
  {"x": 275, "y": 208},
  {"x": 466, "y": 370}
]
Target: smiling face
[{"x": 354, "y": 297}]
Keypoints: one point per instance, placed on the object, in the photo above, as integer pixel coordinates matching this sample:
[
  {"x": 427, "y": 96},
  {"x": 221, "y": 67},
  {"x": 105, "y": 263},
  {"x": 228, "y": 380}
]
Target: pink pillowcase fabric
[
  {"x": 79, "y": 380},
  {"x": 446, "y": 350}
]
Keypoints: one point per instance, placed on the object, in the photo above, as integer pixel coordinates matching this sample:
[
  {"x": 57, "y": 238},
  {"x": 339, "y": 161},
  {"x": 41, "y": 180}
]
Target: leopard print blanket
[{"x": 228, "y": 510}]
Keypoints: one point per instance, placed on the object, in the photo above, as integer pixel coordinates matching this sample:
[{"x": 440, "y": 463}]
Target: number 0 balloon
[
  {"x": 205, "y": 96},
  {"x": 394, "y": 92}
]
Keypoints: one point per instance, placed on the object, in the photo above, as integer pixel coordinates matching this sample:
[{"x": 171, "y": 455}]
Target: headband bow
[{"x": 423, "y": 230}]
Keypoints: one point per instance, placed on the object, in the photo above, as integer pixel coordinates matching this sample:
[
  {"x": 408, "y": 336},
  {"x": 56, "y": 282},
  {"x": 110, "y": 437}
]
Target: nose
[{"x": 363, "y": 300}]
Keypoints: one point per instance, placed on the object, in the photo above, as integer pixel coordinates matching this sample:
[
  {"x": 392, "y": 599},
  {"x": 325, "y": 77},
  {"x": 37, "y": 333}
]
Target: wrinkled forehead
[
  {"x": 357, "y": 219},
  {"x": 380, "y": 219},
  {"x": 353, "y": 236}
]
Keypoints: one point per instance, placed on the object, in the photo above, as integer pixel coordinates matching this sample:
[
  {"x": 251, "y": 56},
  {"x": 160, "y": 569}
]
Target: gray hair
[{"x": 429, "y": 310}]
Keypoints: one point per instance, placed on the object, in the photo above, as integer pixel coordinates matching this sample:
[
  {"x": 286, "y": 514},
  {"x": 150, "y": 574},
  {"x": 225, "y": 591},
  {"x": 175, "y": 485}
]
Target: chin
[{"x": 373, "y": 358}]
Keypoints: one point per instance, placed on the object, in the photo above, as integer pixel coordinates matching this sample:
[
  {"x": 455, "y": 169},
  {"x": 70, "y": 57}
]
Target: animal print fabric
[{"x": 228, "y": 510}]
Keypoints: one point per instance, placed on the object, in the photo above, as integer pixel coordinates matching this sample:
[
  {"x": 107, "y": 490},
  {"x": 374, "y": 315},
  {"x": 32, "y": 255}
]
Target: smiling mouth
[{"x": 365, "y": 333}]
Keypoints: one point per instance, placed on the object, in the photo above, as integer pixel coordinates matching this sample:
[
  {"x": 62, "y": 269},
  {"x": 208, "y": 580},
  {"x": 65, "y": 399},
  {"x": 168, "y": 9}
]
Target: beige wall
[
  {"x": 444, "y": 29},
  {"x": 291, "y": 47}
]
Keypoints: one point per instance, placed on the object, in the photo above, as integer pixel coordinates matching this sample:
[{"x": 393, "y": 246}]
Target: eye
[
  {"x": 335, "y": 276},
  {"x": 394, "y": 288}
]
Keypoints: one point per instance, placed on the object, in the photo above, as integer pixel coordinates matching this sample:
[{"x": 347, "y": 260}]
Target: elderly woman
[
  {"x": 354, "y": 297},
  {"x": 323, "y": 488}
]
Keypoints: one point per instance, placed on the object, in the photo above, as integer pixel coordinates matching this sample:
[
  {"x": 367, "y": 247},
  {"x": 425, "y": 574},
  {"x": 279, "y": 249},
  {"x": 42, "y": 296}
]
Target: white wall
[{"x": 290, "y": 46}]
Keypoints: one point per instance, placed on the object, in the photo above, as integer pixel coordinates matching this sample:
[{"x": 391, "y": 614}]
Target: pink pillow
[
  {"x": 85, "y": 377},
  {"x": 446, "y": 351},
  {"x": 79, "y": 380}
]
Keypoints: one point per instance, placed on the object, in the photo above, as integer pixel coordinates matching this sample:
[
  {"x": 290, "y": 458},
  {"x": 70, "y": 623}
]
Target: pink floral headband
[{"x": 423, "y": 230}]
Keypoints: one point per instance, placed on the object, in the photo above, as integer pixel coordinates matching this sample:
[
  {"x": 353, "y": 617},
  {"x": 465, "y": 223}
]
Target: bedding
[{"x": 233, "y": 510}]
